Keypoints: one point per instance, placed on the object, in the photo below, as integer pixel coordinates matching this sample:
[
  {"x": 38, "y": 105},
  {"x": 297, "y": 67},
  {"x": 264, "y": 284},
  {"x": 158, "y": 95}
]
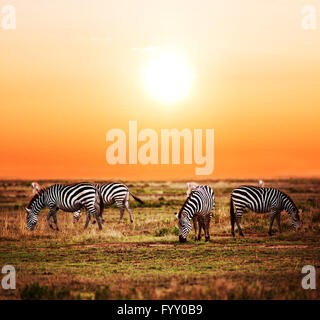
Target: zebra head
[
  {"x": 292, "y": 211},
  {"x": 34, "y": 207},
  {"x": 295, "y": 218},
  {"x": 76, "y": 216},
  {"x": 184, "y": 226},
  {"x": 32, "y": 218}
]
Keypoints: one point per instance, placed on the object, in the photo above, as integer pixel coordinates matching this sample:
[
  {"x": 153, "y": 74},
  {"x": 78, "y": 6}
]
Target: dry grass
[{"x": 144, "y": 261}]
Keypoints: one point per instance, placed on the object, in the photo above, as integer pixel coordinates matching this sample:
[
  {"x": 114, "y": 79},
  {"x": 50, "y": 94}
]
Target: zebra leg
[
  {"x": 232, "y": 229},
  {"x": 55, "y": 221},
  {"x": 207, "y": 227},
  {"x": 278, "y": 221},
  {"x": 200, "y": 227},
  {"x": 121, "y": 214},
  {"x": 49, "y": 220},
  {"x": 88, "y": 217},
  {"x": 273, "y": 215},
  {"x": 238, "y": 220},
  {"x": 52, "y": 215},
  {"x": 129, "y": 210},
  {"x": 98, "y": 218},
  {"x": 195, "y": 225},
  {"x": 76, "y": 216}
]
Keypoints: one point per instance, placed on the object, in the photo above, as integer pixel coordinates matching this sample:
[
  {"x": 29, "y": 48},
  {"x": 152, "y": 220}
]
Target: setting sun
[{"x": 167, "y": 77}]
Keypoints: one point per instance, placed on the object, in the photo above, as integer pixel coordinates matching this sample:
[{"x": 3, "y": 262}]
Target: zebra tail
[
  {"x": 231, "y": 212},
  {"x": 136, "y": 198}
]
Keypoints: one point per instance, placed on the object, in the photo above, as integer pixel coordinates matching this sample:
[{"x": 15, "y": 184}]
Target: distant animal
[
  {"x": 68, "y": 198},
  {"x": 261, "y": 184},
  {"x": 114, "y": 193},
  {"x": 198, "y": 207},
  {"x": 261, "y": 200},
  {"x": 191, "y": 186},
  {"x": 35, "y": 187}
]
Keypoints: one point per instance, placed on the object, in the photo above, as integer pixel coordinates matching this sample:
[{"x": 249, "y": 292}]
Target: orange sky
[{"x": 69, "y": 73}]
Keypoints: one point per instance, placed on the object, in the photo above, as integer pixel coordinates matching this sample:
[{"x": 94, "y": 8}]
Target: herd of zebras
[{"x": 197, "y": 207}]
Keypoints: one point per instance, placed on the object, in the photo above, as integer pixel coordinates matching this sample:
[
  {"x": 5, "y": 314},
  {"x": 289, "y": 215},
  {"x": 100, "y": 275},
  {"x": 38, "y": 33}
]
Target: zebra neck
[
  {"x": 39, "y": 204},
  {"x": 188, "y": 214},
  {"x": 287, "y": 203}
]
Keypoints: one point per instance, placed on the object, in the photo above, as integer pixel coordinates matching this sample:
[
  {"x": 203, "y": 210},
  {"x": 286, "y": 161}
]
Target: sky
[{"x": 72, "y": 70}]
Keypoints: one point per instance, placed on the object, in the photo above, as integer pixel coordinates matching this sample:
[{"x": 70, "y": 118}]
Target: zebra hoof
[
  {"x": 94, "y": 221},
  {"x": 233, "y": 234},
  {"x": 270, "y": 234},
  {"x": 207, "y": 239},
  {"x": 242, "y": 235}
]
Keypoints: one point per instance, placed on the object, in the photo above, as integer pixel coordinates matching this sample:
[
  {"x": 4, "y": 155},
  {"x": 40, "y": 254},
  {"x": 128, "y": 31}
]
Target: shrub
[
  {"x": 36, "y": 292},
  {"x": 102, "y": 294}
]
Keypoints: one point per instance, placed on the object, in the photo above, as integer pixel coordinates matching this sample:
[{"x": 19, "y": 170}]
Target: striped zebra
[
  {"x": 261, "y": 200},
  {"x": 198, "y": 207},
  {"x": 36, "y": 188},
  {"x": 68, "y": 198},
  {"x": 114, "y": 193}
]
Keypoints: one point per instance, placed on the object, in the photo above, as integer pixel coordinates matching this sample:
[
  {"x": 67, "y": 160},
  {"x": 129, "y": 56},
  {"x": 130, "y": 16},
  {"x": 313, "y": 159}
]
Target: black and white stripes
[
  {"x": 200, "y": 202},
  {"x": 198, "y": 205},
  {"x": 67, "y": 198},
  {"x": 261, "y": 200},
  {"x": 114, "y": 193}
]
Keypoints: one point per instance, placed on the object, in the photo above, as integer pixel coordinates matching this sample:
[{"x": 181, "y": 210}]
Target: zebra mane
[
  {"x": 36, "y": 197},
  {"x": 184, "y": 204},
  {"x": 290, "y": 199}
]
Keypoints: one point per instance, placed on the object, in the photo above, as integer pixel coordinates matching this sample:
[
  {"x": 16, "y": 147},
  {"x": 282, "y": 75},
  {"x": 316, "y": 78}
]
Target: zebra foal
[
  {"x": 261, "y": 200},
  {"x": 68, "y": 198},
  {"x": 198, "y": 207}
]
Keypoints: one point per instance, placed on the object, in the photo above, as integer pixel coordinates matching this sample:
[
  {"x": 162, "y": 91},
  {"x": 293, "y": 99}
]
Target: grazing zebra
[
  {"x": 261, "y": 200},
  {"x": 198, "y": 207},
  {"x": 36, "y": 188},
  {"x": 67, "y": 198},
  {"x": 114, "y": 193}
]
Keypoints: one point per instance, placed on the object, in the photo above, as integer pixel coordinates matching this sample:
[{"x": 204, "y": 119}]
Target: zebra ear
[
  {"x": 300, "y": 211},
  {"x": 176, "y": 215},
  {"x": 28, "y": 210}
]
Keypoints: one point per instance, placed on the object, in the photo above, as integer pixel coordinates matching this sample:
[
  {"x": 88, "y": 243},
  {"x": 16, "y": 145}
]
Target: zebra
[
  {"x": 198, "y": 207},
  {"x": 67, "y": 198},
  {"x": 113, "y": 193},
  {"x": 36, "y": 188},
  {"x": 261, "y": 200}
]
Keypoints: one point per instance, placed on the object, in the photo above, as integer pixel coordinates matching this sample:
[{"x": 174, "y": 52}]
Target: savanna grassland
[{"x": 144, "y": 260}]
